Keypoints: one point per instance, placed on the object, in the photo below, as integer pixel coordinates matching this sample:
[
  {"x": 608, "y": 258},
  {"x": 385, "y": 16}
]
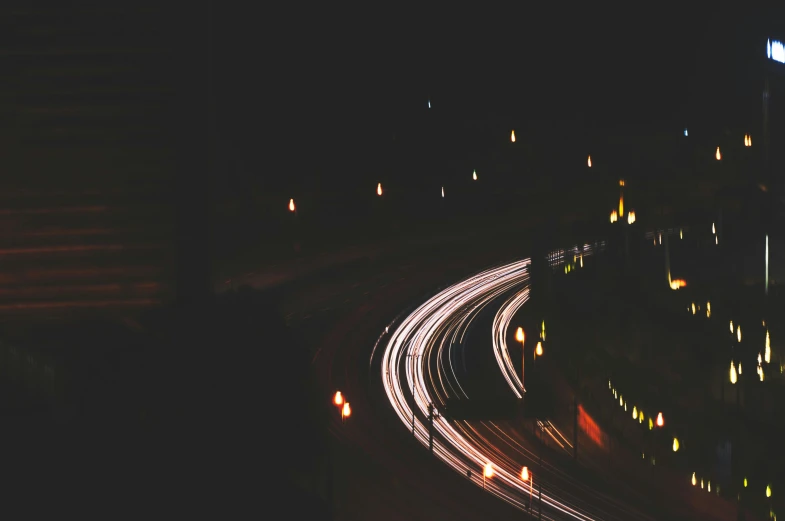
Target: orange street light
[
  {"x": 588, "y": 162},
  {"x": 487, "y": 473},
  {"x": 379, "y": 189},
  {"x": 292, "y": 207},
  {"x": 521, "y": 337},
  {"x": 526, "y": 476},
  {"x": 338, "y": 398},
  {"x": 346, "y": 411},
  {"x": 717, "y": 154},
  {"x": 512, "y": 136},
  {"x": 538, "y": 349},
  {"x": 660, "y": 421}
]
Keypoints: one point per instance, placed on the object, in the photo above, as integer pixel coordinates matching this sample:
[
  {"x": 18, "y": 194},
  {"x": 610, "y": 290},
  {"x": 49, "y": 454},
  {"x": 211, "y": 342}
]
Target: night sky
[{"x": 325, "y": 93}]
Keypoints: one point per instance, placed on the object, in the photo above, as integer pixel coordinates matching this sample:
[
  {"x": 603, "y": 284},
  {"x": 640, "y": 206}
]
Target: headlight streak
[{"x": 401, "y": 372}]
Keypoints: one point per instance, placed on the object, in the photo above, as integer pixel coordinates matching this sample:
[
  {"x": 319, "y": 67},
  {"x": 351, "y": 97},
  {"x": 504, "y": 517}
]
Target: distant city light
[
  {"x": 291, "y": 205},
  {"x": 379, "y": 189},
  {"x": 474, "y": 175},
  {"x": 512, "y": 136},
  {"x": 442, "y": 192},
  {"x": 775, "y": 51},
  {"x": 589, "y": 162},
  {"x": 747, "y": 140},
  {"x": 717, "y": 154},
  {"x": 686, "y": 133}
]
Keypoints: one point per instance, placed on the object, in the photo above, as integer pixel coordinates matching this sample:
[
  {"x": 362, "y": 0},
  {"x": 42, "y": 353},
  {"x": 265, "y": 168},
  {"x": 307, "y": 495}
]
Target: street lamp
[
  {"x": 379, "y": 189},
  {"x": 474, "y": 175},
  {"x": 660, "y": 421},
  {"x": 338, "y": 398},
  {"x": 538, "y": 349},
  {"x": 694, "y": 480},
  {"x": 346, "y": 411},
  {"x": 512, "y": 136},
  {"x": 589, "y": 162},
  {"x": 292, "y": 207},
  {"x": 733, "y": 374},
  {"x": 526, "y": 476},
  {"x": 442, "y": 192},
  {"x": 521, "y": 337},
  {"x": 487, "y": 473},
  {"x": 718, "y": 155},
  {"x": 675, "y": 444}
]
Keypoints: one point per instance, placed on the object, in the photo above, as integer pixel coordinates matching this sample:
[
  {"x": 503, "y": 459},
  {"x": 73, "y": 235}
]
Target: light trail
[{"x": 406, "y": 368}]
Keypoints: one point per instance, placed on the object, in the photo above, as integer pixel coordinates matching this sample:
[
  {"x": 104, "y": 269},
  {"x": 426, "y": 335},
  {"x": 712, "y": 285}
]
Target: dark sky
[{"x": 344, "y": 79}]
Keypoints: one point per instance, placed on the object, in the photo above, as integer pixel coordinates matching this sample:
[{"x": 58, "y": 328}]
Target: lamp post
[
  {"x": 527, "y": 476},
  {"x": 487, "y": 473},
  {"x": 521, "y": 337}
]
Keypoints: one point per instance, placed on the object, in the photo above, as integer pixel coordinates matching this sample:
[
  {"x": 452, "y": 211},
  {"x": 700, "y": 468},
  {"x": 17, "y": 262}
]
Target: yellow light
[
  {"x": 717, "y": 154},
  {"x": 338, "y": 399},
  {"x": 581, "y": 262},
  {"x": 738, "y": 333},
  {"x": 681, "y": 233},
  {"x": 621, "y": 205},
  {"x": 614, "y": 216},
  {"x": 488, "y": 470},
  {"x": 701, "y": 483},
  {"x": 731, "y": 327},
  {"x": 694, "y": 479},
  {"x": 768, "y": 490},
  {"x": 525, "y": 474},
  {"x": 675, "y": 444},
  {"x": 589, "y": 162},
  {"x": 621, "y": 182},
  {"x": 291, "y": 205},
  {"x": 713, "y": 229},
  {"x": 767, "y": 355},
  {"x": 660, "y": 421},
  {"x": 634, "y": 412},
  {"x": 708, "y": 488},
  {"x": 693, "y": 308},
  {"x": 379, "y": 189},
  {"x": 631, "y": 217},
  {"x": 739, "y": 367},
  {"x": 732, "y": 372},
  {"x": 512, "y": 136},
  {"x": 745, "y": 482},
  {"x": 640, "y": 416},
  {"x": 538, "y": 349},
  {"x": 519, "y": 336},
  {"x": 651, "y": 424},
  {"x": 621, "y": 401},
  {"x": 708, "y": 309},
  {"x": 347, "y": 411}
]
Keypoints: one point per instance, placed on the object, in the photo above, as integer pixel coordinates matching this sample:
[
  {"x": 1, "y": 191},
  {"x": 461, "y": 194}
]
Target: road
[{"x": 419, "y": 367}]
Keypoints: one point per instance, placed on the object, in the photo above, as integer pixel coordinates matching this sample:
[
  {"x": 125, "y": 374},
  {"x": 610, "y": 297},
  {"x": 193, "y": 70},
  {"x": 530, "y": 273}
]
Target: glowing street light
[
  {"x": 346, "y": 411},
  {"x": 731, "y": 327},
  {"x": 767, "y": 355},
  {"x": 338, "y": 398},
  {"x": 675, "y": 444},
  {"x": 694, "y": 480},
  {"x": 521, "y": 337},
  {"x": 738, "y": 333},
  {"x": 614, "y": 216},
  {"x": 474, "y": 175},
  {"x": 733, "y": 376},
  {"x": 631, "y": 217},
  {"x": 442, "y": 192},
  {"x": 292, "y": 207},
  {"x": 512, "y": 136},
  {"x": 660, "y": 421},
  {"x": 538, "y": 349},
  {"x": 379, "y": 189},
  {"x": 526, "y": 476},
  {"x": 713, "y": 229},
  {"x": 768, "y": 490},
  {"x": 487, "y": 473},
  {"x": 747, "y": 140},
  {"x": 717, "y": 154},
  {"x": 634, "y": 412},
  {"x": 589, "y": 162}
]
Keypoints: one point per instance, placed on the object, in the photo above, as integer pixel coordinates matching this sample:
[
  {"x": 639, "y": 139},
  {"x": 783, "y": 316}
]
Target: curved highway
[{"x": 418, "y": 368}]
